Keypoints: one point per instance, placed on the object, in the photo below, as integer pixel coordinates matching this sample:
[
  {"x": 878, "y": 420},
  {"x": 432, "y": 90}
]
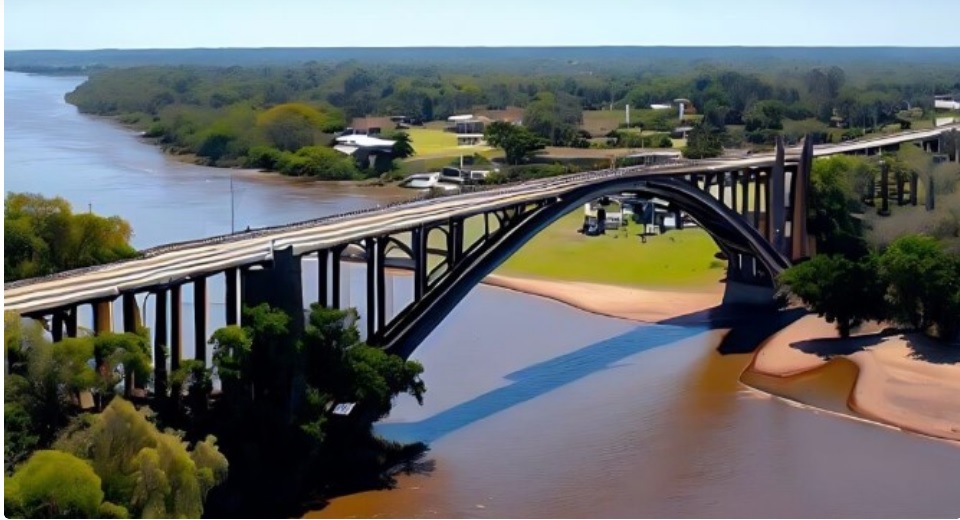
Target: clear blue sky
[{"x": 92, "y": 24}]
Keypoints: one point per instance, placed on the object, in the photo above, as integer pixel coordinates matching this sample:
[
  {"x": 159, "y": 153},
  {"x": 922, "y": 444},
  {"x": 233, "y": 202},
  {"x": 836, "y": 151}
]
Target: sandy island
[{"x": 901, "y": 380}]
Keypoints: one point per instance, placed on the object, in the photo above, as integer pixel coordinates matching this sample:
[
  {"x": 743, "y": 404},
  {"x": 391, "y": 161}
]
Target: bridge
[{"x": 755, "y": 209}]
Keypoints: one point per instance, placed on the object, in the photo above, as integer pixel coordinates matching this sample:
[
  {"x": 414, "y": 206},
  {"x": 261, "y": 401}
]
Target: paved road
[{"x": 178, "y": 262}]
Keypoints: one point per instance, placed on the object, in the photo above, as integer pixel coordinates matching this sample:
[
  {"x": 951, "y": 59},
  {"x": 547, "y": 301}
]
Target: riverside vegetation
[{"x": 283, "y": 116}]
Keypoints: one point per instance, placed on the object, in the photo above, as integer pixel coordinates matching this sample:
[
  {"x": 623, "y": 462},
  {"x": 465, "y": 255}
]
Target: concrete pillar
[
  {"x": 800, "y": 202},
  {"x": 914, "y": 183},
  {"x": 722, "y": 188},
  {"x": 280, "y": 286},
  {"x": 335, "y": 283},
  {"x": 757, "y": 193},
  {"x": 323, "y": 277},
  {"x": 734, "y": 187},
  {"x": 129, "y": 304},
  {"x": 232, "y": 303},
  {"x": 176, "y": 327},
  {"x": 884, "y": 189},
  {"x": 70, "y": 322},
  {"x": 419, "y": 247},
  {"x": 745, "y": 200},
  {"x": 160, "y": 343},
  {"x": 371, "y": 318},
  {"x": 776, "y": 204},
  {"x": 381, "y": 254},
  {"x": 103, "y": 316},
  {"x": 200, "y": 319},
  {"x": 901, "y": 185},
  {"x": 56, "y": 326},
  {"x": 931, "y": 202}
]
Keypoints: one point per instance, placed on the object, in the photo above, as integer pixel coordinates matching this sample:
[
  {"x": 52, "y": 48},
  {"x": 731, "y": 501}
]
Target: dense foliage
[
  {"x": 275, "y": 413},
  {"x": 914, "y": 283},
  {"x": 43, "y": 236},
  {"x": 229, "y": 115}
]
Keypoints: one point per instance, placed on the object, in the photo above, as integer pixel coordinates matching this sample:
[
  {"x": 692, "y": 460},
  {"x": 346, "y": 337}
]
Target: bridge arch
[{"x": 732, "y": 233}]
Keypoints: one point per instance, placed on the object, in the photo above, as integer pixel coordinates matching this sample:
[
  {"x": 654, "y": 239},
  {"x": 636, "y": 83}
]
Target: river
[{"x": 533, "y": 409}]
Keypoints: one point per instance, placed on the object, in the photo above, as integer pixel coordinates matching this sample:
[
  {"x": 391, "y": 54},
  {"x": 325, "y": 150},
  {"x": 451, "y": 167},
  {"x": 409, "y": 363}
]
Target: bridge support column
[
  {"x": 931, "y": 202},
  {"x": 420, "y": 262},
  {"x": 335, "y": 292},
  {"x": 160, "y": 344},
  {"x": 200, "y": 319},
  {"x": 56, "y": 326},
  {"x": 455, "y": 241},
  {"x": 232, "y": 296},
  {"x": 757, "y": 192},
  {"x": 745, "y": 199},
  {"x": 884, "y": 189},
  {"x": 130, "y": 311},
  {"x": 776, "y": 204},
  {"x": 102, "y": 316},
  {"x": 280, "y": 286},
  {"x": 381, "y": 254},
  {"x": 70, "y": 321},
  {"x": 799, "y": 194},
  {"x": 371, "y": 317},
  {"x": 176, "y": 326},
  {"x": 734, "y": 187},
  {"x": 914, "y": 184},
  {"x": 323, "y": 277}
]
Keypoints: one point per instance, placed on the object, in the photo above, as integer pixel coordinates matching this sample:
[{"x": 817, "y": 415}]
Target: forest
[{"x": 283, "y": 114}]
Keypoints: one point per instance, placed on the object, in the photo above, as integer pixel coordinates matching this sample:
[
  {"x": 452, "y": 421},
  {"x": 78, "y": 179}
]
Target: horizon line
[{"x": 602, "y": 46}]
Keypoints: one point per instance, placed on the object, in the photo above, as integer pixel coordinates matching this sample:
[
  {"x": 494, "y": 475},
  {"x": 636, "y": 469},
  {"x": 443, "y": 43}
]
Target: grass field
[
  {"x": 679, "y": 259},
  {"x": 432, "y": 141},
  {"x": 676, "y": 259}
]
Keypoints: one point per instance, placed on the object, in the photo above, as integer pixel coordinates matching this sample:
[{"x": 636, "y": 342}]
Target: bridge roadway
[{"x": 179, "y": 262}]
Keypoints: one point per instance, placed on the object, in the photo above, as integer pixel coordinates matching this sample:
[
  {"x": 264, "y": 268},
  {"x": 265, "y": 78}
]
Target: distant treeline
[{"x": 221, "y": 113}]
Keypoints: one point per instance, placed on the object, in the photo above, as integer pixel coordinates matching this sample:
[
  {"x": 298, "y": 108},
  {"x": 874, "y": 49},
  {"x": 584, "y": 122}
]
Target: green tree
[
  {"x": 845, "y": 292},
  {"x": 46, "y": 387},
  {"x": 149, "y": 472},
  {"x": 292, "y": 126},
  {"x": 403, "y": 147},
  {"x": 53, "y": 484},
  {"x": 924, "y": 284},
  {"x": 836, "y": 183},
  {"x": 43, "y": 236},
  {"x": 703, "y": 142},
  {"x": 554, "y": 117},
  {"x": 517, "y": 142}
]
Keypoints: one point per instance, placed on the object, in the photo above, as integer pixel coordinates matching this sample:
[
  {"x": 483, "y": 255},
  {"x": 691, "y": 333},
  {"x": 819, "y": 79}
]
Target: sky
[{"x": 96, "y": 24}]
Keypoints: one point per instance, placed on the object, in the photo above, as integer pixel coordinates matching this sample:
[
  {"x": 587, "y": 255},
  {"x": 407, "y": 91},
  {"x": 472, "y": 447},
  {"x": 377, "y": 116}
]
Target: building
[
  {"x": 946, "y": 103},
  {"x": 363, "y": 148},
  {"x": 469, "y": 129}
]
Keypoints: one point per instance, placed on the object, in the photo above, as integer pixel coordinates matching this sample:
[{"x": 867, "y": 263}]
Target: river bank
[{"x": 902, "y": 380}]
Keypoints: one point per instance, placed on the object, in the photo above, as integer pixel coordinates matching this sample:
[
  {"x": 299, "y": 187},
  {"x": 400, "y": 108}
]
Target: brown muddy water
[{"x": 533, "y": 409}]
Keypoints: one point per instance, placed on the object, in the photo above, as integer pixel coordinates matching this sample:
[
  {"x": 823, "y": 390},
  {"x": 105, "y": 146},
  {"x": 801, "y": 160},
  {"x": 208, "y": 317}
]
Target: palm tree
[{"x": 403, "y": 147}]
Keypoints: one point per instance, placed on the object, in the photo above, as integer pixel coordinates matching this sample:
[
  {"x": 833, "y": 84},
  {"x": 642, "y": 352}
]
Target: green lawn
[
  {"x": 678, "y": 259},
  {"x": 432, "y": 141},
  {"x": 675, "y": 259}
]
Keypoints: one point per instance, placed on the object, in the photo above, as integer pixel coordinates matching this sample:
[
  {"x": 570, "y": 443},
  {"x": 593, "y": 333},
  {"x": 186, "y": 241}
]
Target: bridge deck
[{"x": 179, "y": 262}]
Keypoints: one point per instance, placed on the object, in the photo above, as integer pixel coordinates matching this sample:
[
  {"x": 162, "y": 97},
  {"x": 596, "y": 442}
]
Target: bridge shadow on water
[{"x": 748, "y": 331}]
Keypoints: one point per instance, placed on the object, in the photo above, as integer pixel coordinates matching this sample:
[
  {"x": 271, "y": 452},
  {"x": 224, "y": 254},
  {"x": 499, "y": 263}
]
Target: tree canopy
[
  {"x": 516, "y": 141},
  {"x": 43, "y": 236}
]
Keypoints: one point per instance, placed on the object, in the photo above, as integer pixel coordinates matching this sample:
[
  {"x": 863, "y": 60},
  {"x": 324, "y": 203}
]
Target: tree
[
  {"x": 42, "y": 236},
  {"x": 703, "y": 142},
  {"x": 517, "y": 142},
  {"x": 845, "y": 292},
  {"x": 554, "y": 117},
  {"x": 129, "y": 350},
  {"x": 402, "y": 147},
  {"x": 53, "y": 484},
  {"x": 292, "y": 126},
  {"x": 151, "y": 473},
  {"x": 924, "y": 284},
  {"x": 836, "y": 184}
]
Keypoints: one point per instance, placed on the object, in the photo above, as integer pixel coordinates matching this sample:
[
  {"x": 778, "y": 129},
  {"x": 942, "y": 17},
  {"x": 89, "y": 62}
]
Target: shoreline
[{"x": 895, "y": 380}]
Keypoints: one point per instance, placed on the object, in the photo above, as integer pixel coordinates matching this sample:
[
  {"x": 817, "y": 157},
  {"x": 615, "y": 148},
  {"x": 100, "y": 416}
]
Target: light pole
[{"x": 232, "y": 207}]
